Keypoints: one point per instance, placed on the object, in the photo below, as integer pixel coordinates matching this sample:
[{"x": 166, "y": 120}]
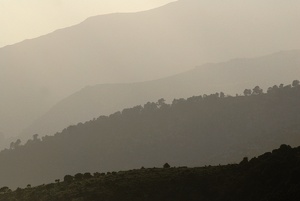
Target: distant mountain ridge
[
  {"x": 229, "y": 77},
  {"x": 132, "y": 47}
]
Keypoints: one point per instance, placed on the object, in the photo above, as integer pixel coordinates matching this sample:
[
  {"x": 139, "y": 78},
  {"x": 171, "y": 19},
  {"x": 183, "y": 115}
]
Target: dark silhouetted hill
[
  {"x": 273, "y": 176},
  {"x": 200, "y": 130}
]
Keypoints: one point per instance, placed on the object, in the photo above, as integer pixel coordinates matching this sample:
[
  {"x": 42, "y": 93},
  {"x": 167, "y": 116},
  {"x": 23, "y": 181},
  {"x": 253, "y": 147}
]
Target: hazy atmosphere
[
  {"x": 95, "y": 94},
  {"x": 20, "y": 19}
]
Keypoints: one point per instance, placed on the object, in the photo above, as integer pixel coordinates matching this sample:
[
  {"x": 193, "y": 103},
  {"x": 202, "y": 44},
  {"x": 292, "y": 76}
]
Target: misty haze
[{"x": 150, "y": 100}]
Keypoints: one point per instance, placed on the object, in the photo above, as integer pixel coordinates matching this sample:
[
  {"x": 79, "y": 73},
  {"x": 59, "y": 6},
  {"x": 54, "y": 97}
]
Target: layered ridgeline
[
  {"x": 200, "y": 130},
  {"x": 230, "y": 77},
  {"x": 273, "y": 176},
  {"x": 128, "y": 47}
]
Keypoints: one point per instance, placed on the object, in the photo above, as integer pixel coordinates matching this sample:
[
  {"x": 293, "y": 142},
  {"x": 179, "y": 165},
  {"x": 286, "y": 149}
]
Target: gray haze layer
[
  {"x": 116, "y": 48},
  {"x": 230, "y": 77}
]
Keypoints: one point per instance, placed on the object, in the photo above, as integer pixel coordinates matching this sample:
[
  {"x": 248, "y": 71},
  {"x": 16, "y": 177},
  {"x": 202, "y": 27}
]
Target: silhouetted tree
[
  {"x": 257, "y": 90},
  {"x": 14, "y": 145},
  {"x": 87, "y": 175},
  {"x": 275, "y": 88},
  {"x": 68, "y": 178},
  {"x": 5, "y": 189},
  {"x": 78, "y": 176},
  {"x": 296, "y": 83},
  {"x": 247, "y": 92},
  {"x": 270, "y": 89},
  {"x": 97, "y": 174},
  {"x": 161, "y": 102},
  {"x": 36, "y": 137},
  {"x": 166, "y": 165},
  {"x": 181, "y": 100},
  {"x": 150, "y": 106},
  {"x": 17, "y": 143}
]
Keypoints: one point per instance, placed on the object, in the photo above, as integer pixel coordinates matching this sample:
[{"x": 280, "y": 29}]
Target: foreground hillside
[
  {"x": 230, "y": 77},
  {"x": 200, "y": 130},
  {"x": 273, "y": 176}
]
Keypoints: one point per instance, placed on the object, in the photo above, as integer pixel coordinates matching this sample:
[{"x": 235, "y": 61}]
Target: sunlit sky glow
[{"x": 25, "y": 19}]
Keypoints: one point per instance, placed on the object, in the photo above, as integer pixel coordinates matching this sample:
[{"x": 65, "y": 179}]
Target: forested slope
[
  {"x": 231, "y": 77},
  {"x": 273, "y": 176},
  {"x": 200, "y": 130}
]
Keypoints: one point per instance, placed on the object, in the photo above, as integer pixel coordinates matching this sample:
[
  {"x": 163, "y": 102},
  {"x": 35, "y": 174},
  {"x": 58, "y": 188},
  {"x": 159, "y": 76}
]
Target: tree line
[{"x": 200, "y": 130}]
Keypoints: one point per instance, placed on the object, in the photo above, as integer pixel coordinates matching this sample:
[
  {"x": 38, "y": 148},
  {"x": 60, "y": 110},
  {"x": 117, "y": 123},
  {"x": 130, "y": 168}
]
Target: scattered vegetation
[
  {"x": 273, "y": 176},
  {"x": 201, "y": 130}
]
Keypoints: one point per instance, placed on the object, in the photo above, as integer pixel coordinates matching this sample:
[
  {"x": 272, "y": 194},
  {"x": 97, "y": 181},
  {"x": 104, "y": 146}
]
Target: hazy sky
[{"x": 24, "y": 19}]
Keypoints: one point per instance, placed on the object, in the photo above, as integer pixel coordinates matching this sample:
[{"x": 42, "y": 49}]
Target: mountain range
[
  {"x": 200, "y": 130},
  {"x": 133, "y": 47},
  {"x": 230, "y": 77}
]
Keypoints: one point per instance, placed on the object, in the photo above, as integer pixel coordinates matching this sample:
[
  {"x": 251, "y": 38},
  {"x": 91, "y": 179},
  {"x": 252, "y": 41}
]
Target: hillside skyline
[
  {"x": 133, "y": 47},
  {"x": 149, "y": 100},
  {"x": 232, "y": 78},
  {"x": 33, "y": 18},
  {"x": 200, "y": 130}
]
